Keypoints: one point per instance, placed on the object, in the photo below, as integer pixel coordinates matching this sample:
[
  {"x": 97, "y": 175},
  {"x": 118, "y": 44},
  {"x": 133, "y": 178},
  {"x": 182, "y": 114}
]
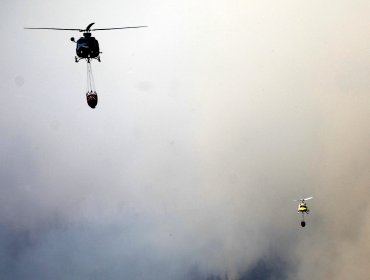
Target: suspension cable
[{"x": 90, "y": 79}]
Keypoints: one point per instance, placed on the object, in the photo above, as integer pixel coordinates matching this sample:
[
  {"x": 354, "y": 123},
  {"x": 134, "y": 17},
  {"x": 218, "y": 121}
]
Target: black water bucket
[{"x": 92, "y": 99}]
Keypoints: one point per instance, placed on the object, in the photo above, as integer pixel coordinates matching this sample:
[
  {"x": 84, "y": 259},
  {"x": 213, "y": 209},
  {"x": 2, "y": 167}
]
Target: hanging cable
[
  {"x": 90, "y": 79},
  {"x": 87, "y": 79}
]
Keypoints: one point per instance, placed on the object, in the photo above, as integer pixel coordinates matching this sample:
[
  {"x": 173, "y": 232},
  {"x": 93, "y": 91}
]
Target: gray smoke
[{"x": 209, "y": 123}]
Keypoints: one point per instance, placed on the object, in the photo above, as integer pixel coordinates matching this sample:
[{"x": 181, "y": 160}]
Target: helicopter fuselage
[
  {"x": 87, "y": 47},
  {"x": 302, "y": 208}
]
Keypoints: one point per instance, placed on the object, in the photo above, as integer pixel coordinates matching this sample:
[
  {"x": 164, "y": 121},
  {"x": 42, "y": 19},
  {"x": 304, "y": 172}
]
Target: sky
[{"x": 209, "y": 123}]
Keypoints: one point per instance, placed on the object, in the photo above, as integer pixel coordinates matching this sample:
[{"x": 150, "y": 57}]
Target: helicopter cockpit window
[{"x": 82, "y": 43}]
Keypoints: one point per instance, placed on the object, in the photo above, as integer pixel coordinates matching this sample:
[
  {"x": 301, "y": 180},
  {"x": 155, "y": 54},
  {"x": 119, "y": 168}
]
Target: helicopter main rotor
[
  {"x": 87, "y": 29},
  {"x": 303, "y": 199}
]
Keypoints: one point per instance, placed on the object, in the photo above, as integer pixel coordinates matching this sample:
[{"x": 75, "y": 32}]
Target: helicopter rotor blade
[
  {"x": 303, "y": 199},
  {"x": 50, "y": 28},
  {"x": 114, "y": 28}
]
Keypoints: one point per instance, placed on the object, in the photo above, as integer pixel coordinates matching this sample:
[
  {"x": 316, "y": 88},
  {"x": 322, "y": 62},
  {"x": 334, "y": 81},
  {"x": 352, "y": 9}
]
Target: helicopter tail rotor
[{"x": 88, "y": 27}]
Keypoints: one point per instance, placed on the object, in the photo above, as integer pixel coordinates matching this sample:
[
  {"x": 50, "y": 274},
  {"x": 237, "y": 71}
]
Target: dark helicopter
[{"x": 87, "y": 47}]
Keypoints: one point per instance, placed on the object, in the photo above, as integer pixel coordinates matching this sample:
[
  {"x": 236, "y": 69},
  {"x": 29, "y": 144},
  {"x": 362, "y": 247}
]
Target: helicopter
[
  {"x": 302, "y": 208},
  {"x": 87, "y": 47}
]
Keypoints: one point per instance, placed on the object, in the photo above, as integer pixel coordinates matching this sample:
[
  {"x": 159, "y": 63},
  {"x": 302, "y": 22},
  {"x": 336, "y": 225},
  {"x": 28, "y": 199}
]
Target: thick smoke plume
[{"x": 209, "y": 123}]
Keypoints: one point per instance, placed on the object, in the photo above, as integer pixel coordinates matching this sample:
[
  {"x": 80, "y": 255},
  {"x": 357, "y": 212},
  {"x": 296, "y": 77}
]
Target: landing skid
[{"x": 77, "y": 59}]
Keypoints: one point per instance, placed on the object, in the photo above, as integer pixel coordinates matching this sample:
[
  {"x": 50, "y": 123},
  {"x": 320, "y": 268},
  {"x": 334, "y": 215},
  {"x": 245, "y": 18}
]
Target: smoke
[
  {"x": 341, "y": 248},
  {"x": 209, "y": 123}
]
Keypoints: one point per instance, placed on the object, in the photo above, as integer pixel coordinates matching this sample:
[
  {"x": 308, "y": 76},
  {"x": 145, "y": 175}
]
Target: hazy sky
[{"x": 209, "y": 123}]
